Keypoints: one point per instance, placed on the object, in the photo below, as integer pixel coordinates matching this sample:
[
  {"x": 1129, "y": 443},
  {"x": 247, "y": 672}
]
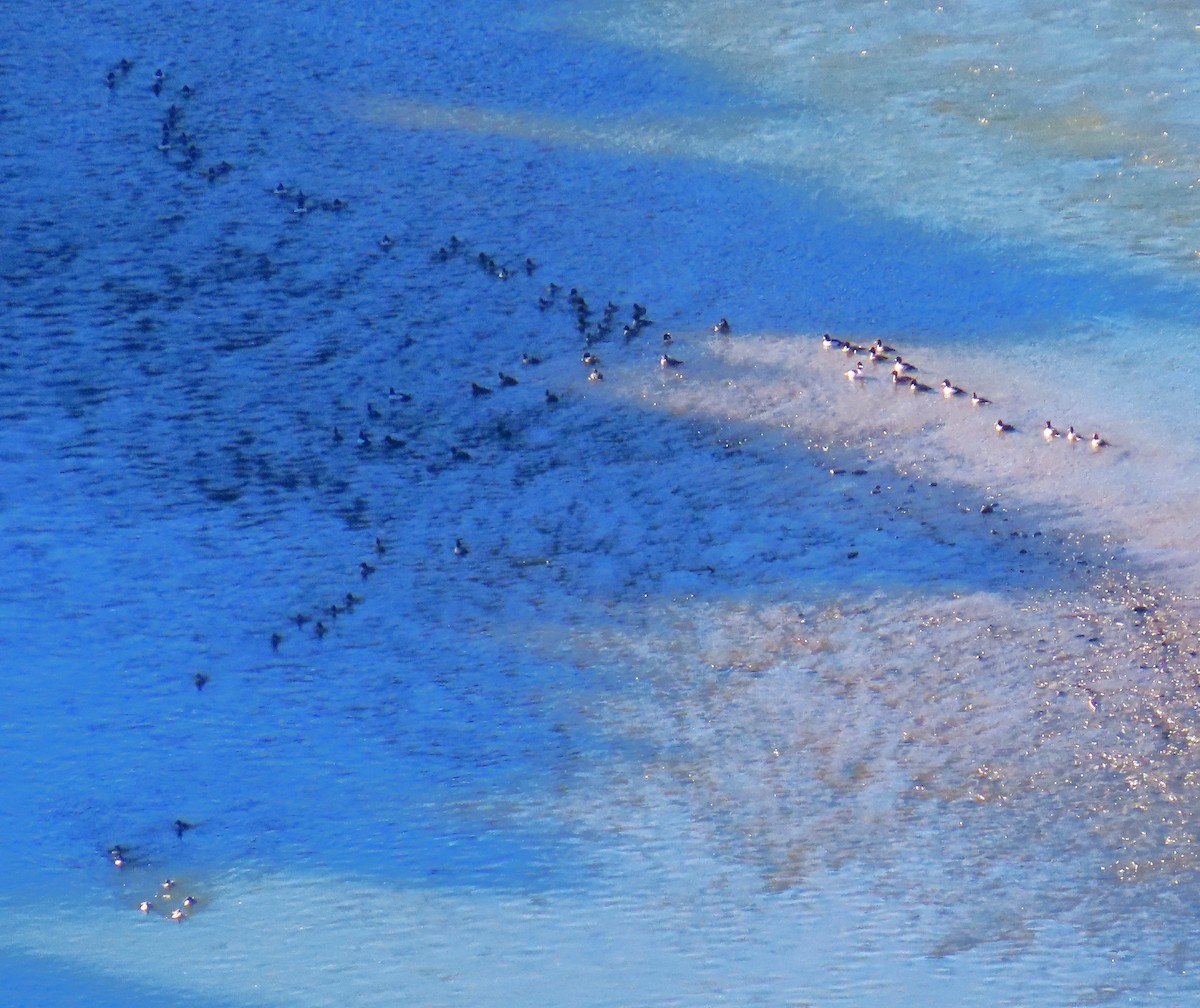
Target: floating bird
[
  {"x": 1073, "y": 435},
  {"x": 1004, "y": 428},
  {"x": 916, "y": 386},
  {"x": 459, "y": 454},
  {"x": 551, "y": 398},
  {"x": 182, "y": 827},
  {"x": 189, "y": 901},
  {"x": 950, "y": 391},
  {"x": 280, "y": 190},
  {"x": 479, "y": 390},
  {"x": 1098, "y": 442},
  {"x": 899, "y": 379},
  {"x": 366, "y": 570},
  {"x": 372, "y": 412},
  {"x": 722, "y": 326},
  {"x": 665, "y": 361},
  {"x": 855, "y": 373},
  {"x": 529, "y": 360},
  {"x": 978, "y": 400},
  {"x": 901, "y": 367},
  {"x": 394, "y": 396},
  {"x": 144, "y": 906},
  {"x": 300, "y": 619},
  {"x": 177, "y": 914},
  {"x": 667, "y": 339},
  {"x": 460, "y": 548},
  {"x": 201, "y": 680},
  {"x": 1049, "y": 432},
  {"x": 831, "y": 342},
  {"x": 386, "y": 243},
  {"x": 320, "y": 630},
  {"x": 589, "y": 358},
  {"x": 880, "y": 347},
  {"x": 595, "y": 375},
  {"x": 276, "y": 640},
  {"x": 507, "y": 381}
]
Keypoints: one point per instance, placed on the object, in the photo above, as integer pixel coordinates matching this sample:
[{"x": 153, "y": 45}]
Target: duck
[
  {"x": 667, "y": 339},
  {"x": 978, "y": 400},
  {"x": 460, "y": 548},
  {"x": 589, "y": 358},
  {"x": 506, "y": 380},
  {"x": 478, "y": 390},
  {"x": 665, "y": 361},
  {"x": 551, "y": 398},
  {"x": 949, "y": 390},
  {"x": 276, "y": 640},
  {"x": 916, "y": 386},
  {"x": 831, "y": 342},
  {"x": 1097, "y": 442},
  {"x": 1004, "y": 428},
  {"x": 386, "y": 242},
  {"x": 1050, "y": 432},
  {"x": 901, "y": 367},
  {"x": 201, "y": 680},
  {"x": 145, "y": 906},
  {"x": 595, "y": 375},
  {"x": 459, "y": 454},
  {"x": 394, "y": 396},
  {"x": 281, "y": 190},
  {"x": 301, "y": 206},
  {"x": 366, "y": 570},
  {"x": 899, "y": 379},
  {"x": 1073, "y": 435},
  {"x": 722, "y": 327},
  {"x": 189, "y": 901},
  {"x": 182, "y": 827},
  {"x": 529, "y": 360},
  {"x": 882, "y": 348},
  {"x": 177, "y": 914},
  {"x": 855, "y": 373}
]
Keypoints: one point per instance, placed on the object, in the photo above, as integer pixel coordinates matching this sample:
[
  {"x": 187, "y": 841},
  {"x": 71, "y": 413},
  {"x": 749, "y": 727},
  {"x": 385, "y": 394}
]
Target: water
[{"x": 754, "y": 685}]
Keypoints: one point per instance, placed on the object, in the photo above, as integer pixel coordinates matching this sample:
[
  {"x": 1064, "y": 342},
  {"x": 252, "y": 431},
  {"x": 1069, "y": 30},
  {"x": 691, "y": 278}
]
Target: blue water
[{"x": 753, "y": 686}]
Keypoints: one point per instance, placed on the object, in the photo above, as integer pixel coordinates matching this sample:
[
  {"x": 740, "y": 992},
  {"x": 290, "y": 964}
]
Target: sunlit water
[{"x": 752, "y": 684}]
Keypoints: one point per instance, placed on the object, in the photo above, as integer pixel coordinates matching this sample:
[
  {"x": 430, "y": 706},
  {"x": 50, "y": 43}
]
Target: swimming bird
[
  {"x": 301, "y": 206},
  {"x": 882, "y": 348},
  {"x": 1049, "y": 432},
  {"x": 479, "y": 390},
  {"x": 460, "y": 548},
  {"x": 201, "y": 680},
  {"x": 667, "y": 338},
  {"x": 459, "y": 455},
  {"x": 189, "y": 901},
  {"x": 949, "y": 390},
  {"x": 182, "y": 827},
  {"x": 380, "y": 546},
  {"x": 1004, "y": 428},
  {"x": 300, "y": 619},
  {"x": 595, "y": 375},
  {"x": 320, "y": 630},
  {"x": 168, "y": 884},
  {"x": 831, "y": 342},
  {"x": 394, "y": 396},
  {"x": 507, "y": 381},
  {"x": 978, "y": 400},
  {"x": 855, "y": 373},
  {"x": 1073, "y": 435},
  {"x": 589, "y": 358},
  {"x": 898, "y": 379},
  {"x": 177, "y": 914},
  {"x": 901, "y": 367},
  {"x": 1098, "y": 442},
  {"x": 280, "y": 190},
  {"x": 366, "y": 570},
  {"x": 364, "y": 439},
  {"x": 529, "y": 360},
  {"x": 551, "y": 398},
  {"x": 916, "y": 386},
  {"x": 722, "y": 326},
  {"x": 386, "y": 242},
  {"x": 276, "y": 640},
  {"x": 372, "y": 412},
  {"x": 144, "y": 906},
  {"x": 665, "y": 361}
]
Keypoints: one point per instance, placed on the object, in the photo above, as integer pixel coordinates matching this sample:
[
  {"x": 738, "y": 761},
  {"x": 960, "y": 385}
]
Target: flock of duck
[
  {"x": 903, "y": 375},
  {"x": 163, "y": 902}
]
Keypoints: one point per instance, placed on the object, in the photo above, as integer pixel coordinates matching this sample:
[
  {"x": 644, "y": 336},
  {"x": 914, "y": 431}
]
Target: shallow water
[{"x": 754, "y": 683}]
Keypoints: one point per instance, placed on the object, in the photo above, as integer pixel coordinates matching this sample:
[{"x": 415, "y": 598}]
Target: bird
[
  {"x": 1004, "y": 428},
  {"x": 189, "y": 901},
  {"x": 551, "y": 398},
  {"x": 949, "y": 390},
  {"x": 478, "y": 390},
  {"x": 507, "y": 381},
  {"x": 589, "y": 358},
  {"x": 1049, "y": 432},
  {"x": 529, "y": 360},
  {"x": 667, "y": 339},
  {"x": 1073, "y": 435},
  {"x": 144, "y": 906},
  {"x": 386, "y": 242},
  {"x": 366, "y": 570},
  {"x": 459, "y": 454},
  {"x": 978, "y": 400},
  {"x": 182, "y": 827},
  {"x": 595, "y": 375},
  {"x": 665, "y": 361},
  {"x": 901, "y": 367},
  {"x": 916, "y": 386},
  {"x": 201, "y": 680},
  {"x": 882, "y": 348},
  {"x": 855, "y": 373},
  {"x": 722, "y": 326},
  {"x": 276, "y": 640},
  {"x": 831, "y": 342},
  {"x": 1098, "y": 442},
  {"x": 460, "y": 548},
  {"x": 394, "y": 396}
]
